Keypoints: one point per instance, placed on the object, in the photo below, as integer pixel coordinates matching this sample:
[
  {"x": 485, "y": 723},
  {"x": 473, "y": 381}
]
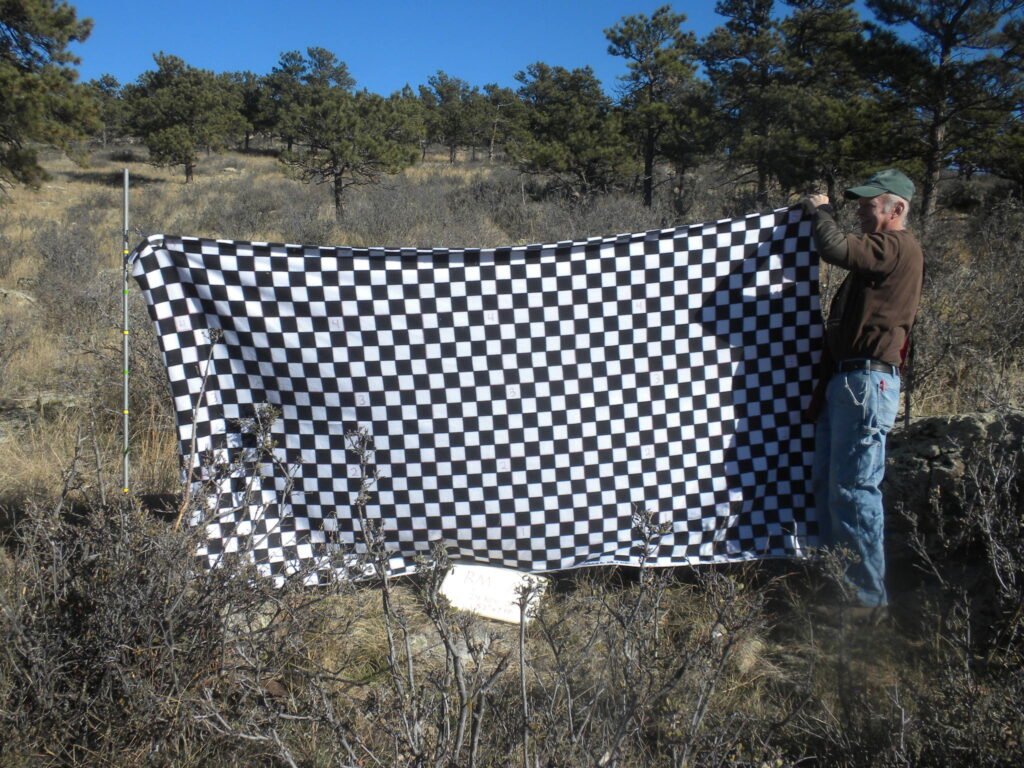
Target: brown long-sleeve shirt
[{"x": 874, "y": 310}]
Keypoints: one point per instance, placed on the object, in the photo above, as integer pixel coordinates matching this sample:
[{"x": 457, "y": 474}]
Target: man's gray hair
[{"x": 889, "y": 200}]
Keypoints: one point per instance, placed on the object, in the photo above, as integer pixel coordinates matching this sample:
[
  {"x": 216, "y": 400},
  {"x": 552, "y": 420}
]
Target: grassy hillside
[{"x": 115, "y": 651}]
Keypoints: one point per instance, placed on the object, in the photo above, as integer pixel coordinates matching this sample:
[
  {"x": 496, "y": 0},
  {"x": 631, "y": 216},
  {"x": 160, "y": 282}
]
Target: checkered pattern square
[{"x": 524, "y": 402}]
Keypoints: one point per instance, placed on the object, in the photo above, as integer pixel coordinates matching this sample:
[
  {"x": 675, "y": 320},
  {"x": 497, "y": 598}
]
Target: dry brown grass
[
  {"x": 611, "y": 669},
  {"x": 40, "y": 451},
  {"x": 438, "y": 164},
  {"x": 69, "y": 361},
  {"x": 969, "y": 357},
  {"x": 154, "y": 456},
  {"x": 71, "y": 334},
  {"x": 30, "y": 373},
  {"x": 60, "y": 382}
]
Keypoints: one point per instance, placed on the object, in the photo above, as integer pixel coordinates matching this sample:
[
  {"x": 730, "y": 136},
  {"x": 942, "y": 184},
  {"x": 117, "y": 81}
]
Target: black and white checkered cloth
[{"x": 525, "y": 402}]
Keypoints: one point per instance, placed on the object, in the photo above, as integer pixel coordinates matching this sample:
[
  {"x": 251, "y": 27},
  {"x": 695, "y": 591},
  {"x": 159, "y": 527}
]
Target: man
[{"x": 867, "y": 334}]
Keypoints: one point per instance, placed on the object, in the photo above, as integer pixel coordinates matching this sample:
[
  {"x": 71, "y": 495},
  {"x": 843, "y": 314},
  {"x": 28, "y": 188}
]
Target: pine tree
[
  {"x": 570, "y": 130},
  {"x": 256, "y": 107},
  {"x": 504, "y": 110},
  {"x": 745, "y": 64},
  {"x": 1002, "y": 152},
  {"x": 285, "y": 85},
  {"x": 952, "y": 87},
  {"x": 831, "y": 132},
  {"x": 325, "y": 70},
  {"x": 414, "y": 112},
  {"x": 690, "y": 137},
  {"x": 291, "y": 85},
  {"x": 660, "y": 58},
  {"x": 40, "y": 102},
  {"x": 179, "y": 110},
  {"x": 449, "y": 104},
  {"x": 347, "y": 139},
  {"x": 106, "y": 92},
  {"x": 478, "y": 121}
]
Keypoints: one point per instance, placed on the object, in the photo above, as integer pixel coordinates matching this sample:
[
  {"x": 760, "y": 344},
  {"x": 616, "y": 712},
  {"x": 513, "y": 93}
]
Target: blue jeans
[{"x": 849, "y": 464}]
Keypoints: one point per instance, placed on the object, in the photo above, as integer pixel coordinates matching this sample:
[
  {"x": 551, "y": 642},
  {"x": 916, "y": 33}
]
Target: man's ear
[{"x": 898, "y": 209}]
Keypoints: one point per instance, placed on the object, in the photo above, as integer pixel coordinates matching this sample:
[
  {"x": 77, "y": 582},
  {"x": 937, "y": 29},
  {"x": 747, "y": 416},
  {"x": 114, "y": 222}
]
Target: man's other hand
[{"x": 811, "y": 203}]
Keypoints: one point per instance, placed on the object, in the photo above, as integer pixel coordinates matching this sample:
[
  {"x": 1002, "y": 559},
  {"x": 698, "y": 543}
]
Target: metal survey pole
[{"x": 124, "y": 337}]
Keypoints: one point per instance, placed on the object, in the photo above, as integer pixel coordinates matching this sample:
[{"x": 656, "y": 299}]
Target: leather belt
[{"x": 866, "y": 365}]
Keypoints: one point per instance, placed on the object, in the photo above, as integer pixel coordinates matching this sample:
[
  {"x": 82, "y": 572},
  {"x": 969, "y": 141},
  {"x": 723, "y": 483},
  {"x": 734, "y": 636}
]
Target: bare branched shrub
[
  {"x": 427, "y": 210},
  {"x": 12, "y": 341},
  {"x": 970, "y": 337},
  {"x": 646, "y": 675},
  {"x": 70, "y": 256},
  {"x": 971, "y": 546},
  {"x": 261, "y": 211},
  {"x": 9, "y": 244},
  {"x": 118, "y": 650},
  {"x": 496, "y": 208},
  {"x": 967, "y": 680}
]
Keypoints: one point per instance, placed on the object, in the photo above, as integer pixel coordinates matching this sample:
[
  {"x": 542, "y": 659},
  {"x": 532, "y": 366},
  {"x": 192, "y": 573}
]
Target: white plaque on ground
[{"x": 491, "y": 592}]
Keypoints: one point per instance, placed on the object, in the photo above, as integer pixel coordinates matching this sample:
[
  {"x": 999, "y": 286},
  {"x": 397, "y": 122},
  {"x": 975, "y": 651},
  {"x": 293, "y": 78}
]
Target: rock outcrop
[
  {"x": 933, "y": 455},
  {"x": 953, "y": 496}
]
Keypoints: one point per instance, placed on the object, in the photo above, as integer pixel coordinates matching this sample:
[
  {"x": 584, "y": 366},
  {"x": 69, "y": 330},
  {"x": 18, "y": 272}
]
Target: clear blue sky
[{"x": 386, "y": 43}]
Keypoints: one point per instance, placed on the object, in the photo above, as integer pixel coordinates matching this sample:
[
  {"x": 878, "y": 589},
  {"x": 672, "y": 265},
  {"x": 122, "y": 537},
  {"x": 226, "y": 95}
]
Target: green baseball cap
[{"x": 891, "y": 180}]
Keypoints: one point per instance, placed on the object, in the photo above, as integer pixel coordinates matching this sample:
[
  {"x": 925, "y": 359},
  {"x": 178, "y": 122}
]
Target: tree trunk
[
  {"x": 933, "y": 172},
  {"x": 339, "y": 191},
  {"x": 936, "y": 140},
  {"x": 189, "y": 169},
  {"x": 453, "y": 153},
  {"x": 762, "y": 186},
  {"x": 830, "y": 185},
  {"x": 679, "y": 202},
  {"x": 648, "y": 168}
]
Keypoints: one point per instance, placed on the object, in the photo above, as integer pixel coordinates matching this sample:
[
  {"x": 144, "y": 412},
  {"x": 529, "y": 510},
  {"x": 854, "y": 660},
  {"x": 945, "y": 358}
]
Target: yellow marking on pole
[
  {"x": 125, "y": 412},
  {"x": 125, "y": 332}
]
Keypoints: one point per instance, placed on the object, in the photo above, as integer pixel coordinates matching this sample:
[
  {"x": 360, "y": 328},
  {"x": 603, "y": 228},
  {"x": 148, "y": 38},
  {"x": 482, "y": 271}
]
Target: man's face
[
  {"x": 869, "y": 211},
  {"x": 873, "y": 217}
]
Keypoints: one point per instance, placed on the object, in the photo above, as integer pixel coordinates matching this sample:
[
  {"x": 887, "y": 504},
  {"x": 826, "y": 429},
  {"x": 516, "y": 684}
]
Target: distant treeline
[{"x": 812, "y": 96}]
